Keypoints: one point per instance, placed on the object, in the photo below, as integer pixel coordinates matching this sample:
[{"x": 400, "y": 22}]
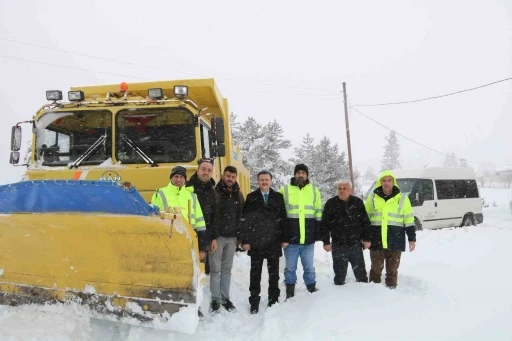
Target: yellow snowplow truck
[{"x": 80, "y": 227}]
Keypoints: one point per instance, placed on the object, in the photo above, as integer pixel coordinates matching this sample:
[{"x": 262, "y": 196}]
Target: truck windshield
[
  {"x": 155, "y": 135},
  {"x": 65, "y": 137}
]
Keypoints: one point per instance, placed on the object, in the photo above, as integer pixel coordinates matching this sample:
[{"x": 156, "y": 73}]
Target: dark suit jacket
[{"x": 265, "y": 227}]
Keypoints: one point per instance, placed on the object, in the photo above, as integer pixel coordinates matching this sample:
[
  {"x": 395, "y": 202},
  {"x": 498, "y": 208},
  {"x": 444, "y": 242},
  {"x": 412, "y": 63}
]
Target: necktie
[{"x": 265, "y": 197}]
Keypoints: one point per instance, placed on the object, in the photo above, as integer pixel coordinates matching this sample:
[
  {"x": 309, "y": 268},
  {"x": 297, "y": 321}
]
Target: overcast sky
[{"x": 386, "y": 51}]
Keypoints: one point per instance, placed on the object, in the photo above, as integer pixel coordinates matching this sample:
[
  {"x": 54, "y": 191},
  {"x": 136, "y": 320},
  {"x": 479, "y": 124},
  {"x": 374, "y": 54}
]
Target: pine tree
[
  {"x": 325, "y": 162},
  {"x": 450, "y": 160},
  {"x": 370, "y": 175},
  {"x": 261, "y": 147},
  {"x": 391, "y": 152}
]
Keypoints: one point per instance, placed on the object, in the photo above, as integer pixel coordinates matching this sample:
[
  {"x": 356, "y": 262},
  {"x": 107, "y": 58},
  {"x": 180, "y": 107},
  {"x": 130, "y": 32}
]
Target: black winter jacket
[
  {"x": 207, "y": 198},
  {"x": 265, "y": 227},
  {"x": 345, "y": 222},
  {"x": 228, "y": 214}
]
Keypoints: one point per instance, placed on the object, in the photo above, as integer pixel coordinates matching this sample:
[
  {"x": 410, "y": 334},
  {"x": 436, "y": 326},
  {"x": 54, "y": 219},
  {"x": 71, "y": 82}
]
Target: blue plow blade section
[{"x": 63, "y": 196}]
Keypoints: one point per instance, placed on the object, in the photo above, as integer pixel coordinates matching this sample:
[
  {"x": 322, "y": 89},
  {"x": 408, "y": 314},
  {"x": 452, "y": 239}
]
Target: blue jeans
[{"x": 306, "y": 253}]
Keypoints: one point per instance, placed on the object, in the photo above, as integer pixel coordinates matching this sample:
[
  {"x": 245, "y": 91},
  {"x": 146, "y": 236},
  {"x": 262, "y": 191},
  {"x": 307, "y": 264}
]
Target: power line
[
  {"x": 148, "y": 79},
  {"x": 283, "y": 93},
  {"x": 434, "y": 97},
  {"x": 72, "y": 67},
  {"x": 164, "y": 69},
  {"x": 422, "y": 145}
]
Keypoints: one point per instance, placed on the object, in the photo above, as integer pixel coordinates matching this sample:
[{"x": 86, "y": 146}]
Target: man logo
[{"x": 110, "y": 176}]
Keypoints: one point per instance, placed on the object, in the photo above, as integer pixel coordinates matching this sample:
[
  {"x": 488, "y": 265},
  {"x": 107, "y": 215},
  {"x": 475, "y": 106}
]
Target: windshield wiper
[
  {"x": 138, "y": 150},
  {"x": 88, "y": 152}
]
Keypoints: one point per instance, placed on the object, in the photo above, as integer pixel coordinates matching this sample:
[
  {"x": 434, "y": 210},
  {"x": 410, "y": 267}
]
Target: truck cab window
[
  {"x": 206, "y": 141},
  {"x": 163, "y": 135},
  {"x": 63, "y": 137}
]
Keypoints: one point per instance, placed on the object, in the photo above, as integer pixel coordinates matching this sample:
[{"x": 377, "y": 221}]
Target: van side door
[
  {"x": 424, "y": 207},
  {"x": 448, "y": 206}
]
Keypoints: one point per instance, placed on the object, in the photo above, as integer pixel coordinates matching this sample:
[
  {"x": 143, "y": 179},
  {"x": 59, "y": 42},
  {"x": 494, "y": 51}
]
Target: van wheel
[
  {"x": 468, "y": 220},
  {"x": 418, "y": 225}
]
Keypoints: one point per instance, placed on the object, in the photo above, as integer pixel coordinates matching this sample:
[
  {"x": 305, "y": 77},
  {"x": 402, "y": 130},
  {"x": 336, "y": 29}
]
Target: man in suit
[{"x": 264, "y": 233}]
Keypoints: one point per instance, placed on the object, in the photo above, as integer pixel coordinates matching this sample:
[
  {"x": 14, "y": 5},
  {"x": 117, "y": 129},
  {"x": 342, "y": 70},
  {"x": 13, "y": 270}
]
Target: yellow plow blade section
[{"x": 106, "y": 259}]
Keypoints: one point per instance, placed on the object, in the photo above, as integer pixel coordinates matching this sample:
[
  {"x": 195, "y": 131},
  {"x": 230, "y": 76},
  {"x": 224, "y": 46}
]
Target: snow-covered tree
[
  {"x": 391, "y": 152},
  {"x": 450, "y": 160},
  {"x": 261, "y": 147},
  {"x": 325, "y": 162},
  {"x": 370, "y": 175},
  {"x": 357, "y": 182}
]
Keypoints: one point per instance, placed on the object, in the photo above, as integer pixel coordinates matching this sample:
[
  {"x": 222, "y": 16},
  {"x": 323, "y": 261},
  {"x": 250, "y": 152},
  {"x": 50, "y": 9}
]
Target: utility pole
[{"x": 348, "y": 135}]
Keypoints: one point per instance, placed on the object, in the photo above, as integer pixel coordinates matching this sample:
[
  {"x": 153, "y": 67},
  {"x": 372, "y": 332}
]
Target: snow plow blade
[{"x": 98, "y": 244}]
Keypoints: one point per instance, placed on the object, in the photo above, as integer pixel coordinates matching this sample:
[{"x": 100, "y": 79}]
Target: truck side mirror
[
  {"x": 221, "y": 150},
  {"x": 14, "y": 158},
  {"x": 218, "y": 129},
  {"x": 16, "y": 138}
]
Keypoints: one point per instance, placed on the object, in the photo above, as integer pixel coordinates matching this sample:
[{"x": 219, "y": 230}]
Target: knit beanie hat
[
  {"x": 301, "y": 167},
  {"x": 178, "y": 170}
]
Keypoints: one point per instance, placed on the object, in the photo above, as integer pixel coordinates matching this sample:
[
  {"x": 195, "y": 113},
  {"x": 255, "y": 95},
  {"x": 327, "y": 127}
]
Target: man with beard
[
  {"x": 228, "y": 217},
  {"x": 304, "y": 211},
  {"x": 202, "y": 184}
]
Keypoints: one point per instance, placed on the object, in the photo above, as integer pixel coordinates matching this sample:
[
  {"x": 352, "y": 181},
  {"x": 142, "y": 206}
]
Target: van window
[
  {"x": 456, "y": 189},
  {"x": 466, "y": 189},
  {"x": 427, "y": 189}
]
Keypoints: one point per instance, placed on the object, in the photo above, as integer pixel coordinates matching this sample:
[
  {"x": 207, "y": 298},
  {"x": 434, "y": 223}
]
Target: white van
[{"x": 441, "y": 197}]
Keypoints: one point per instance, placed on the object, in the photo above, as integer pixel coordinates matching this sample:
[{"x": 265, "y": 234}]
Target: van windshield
[{"x": 406, "y": 185}]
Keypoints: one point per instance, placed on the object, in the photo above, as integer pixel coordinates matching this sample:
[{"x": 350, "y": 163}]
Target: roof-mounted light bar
[
  {"x": 180, "y": 91},
  {"x": 76, "y": 96},
  {"x": 156, "y": 93},
  {"x": 53, "y": 95}
]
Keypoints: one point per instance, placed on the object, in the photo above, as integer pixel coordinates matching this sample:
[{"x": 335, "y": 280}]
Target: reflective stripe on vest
[
  {"x": 401, "y": 204},
  {"x": 287, "y": 200},
  {"x": 296, "y": 207},
  {"x": 377, "y": 216},
  {"x": 164, "y": 199}
]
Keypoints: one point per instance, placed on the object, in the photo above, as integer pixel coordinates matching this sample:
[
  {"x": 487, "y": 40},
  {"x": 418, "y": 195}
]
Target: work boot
[
  {"x": 229, "y": 306},
  {"x": 255, "y": 304},
  {"x": 290, "y": 290},
  {"x": 214, "y": 307},
  {"x": 311, "y": 288},
  {"x": 272, "y": 301}
]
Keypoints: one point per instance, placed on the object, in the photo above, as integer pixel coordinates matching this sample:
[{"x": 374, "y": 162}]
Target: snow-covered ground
[{"x": 455, "y": 286}]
